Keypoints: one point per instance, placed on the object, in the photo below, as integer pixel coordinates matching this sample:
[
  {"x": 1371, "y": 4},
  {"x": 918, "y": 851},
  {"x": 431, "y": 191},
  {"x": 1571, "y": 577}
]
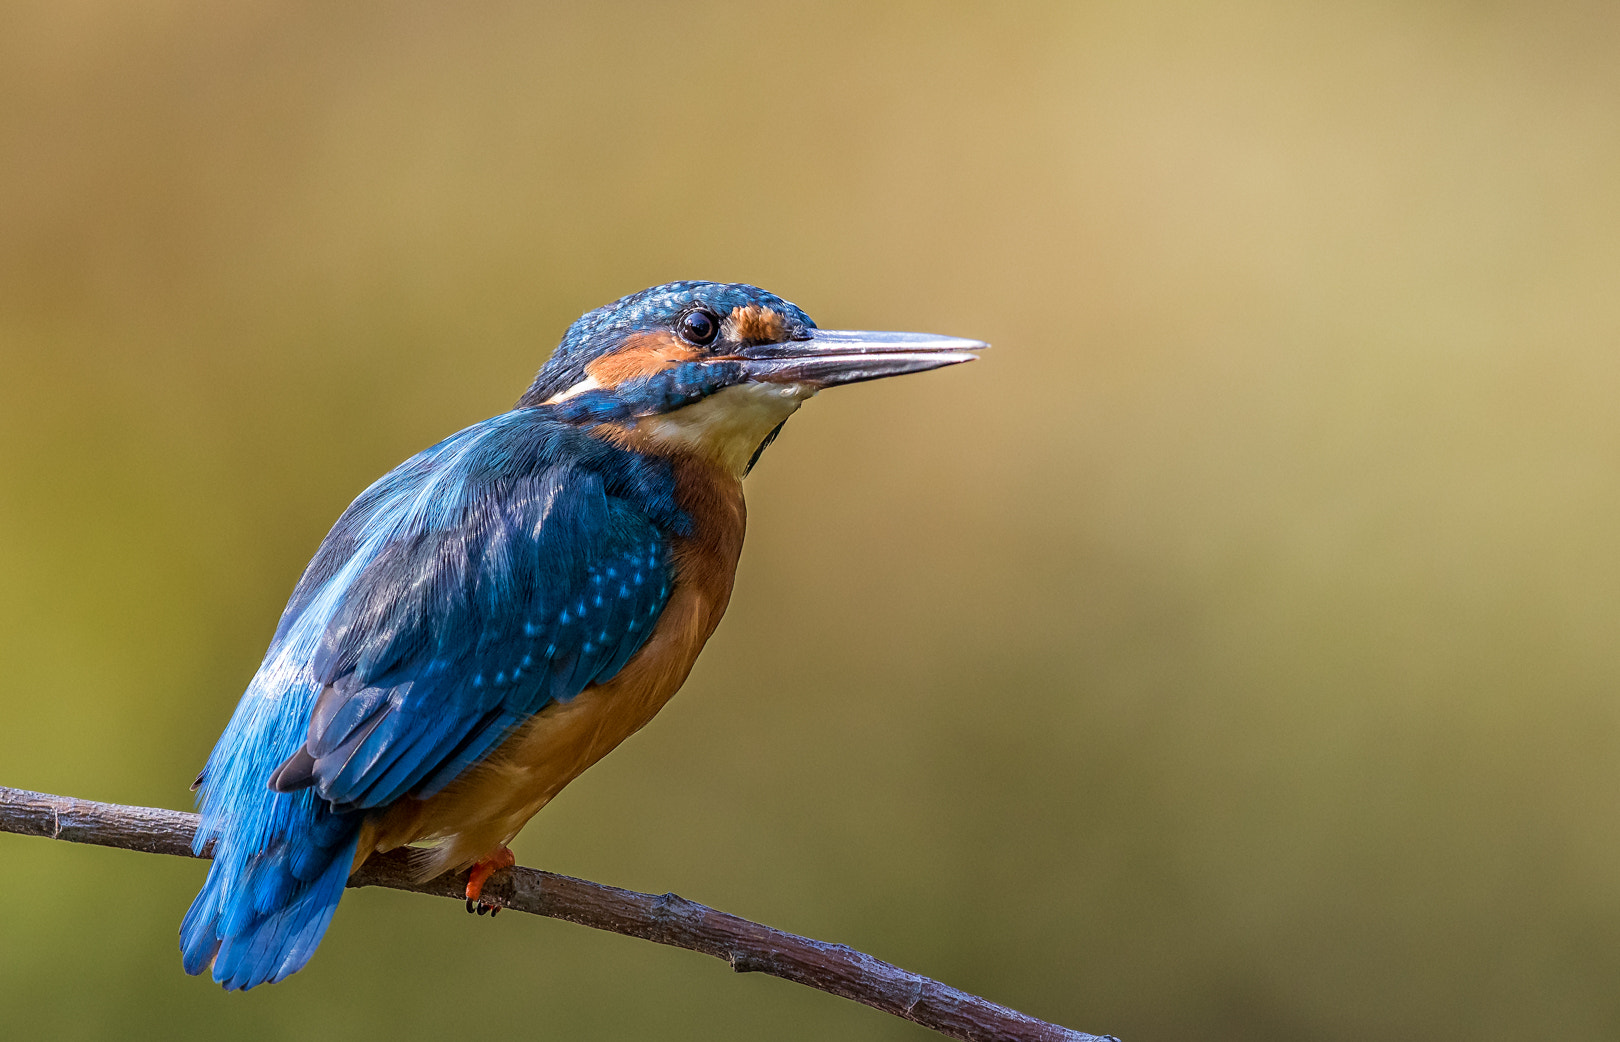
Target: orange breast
[{"x": 485, "y": 808}]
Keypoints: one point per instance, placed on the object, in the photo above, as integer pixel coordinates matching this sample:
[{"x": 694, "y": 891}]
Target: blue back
[{"x": 507, "y": 567}]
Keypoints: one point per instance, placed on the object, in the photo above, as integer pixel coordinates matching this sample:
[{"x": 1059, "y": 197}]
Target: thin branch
[{"x": 667, "y": 919}]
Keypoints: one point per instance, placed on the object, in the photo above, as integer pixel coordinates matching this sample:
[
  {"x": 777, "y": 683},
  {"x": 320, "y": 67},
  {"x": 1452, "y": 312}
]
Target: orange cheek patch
[
  {"x": 642, "y": 355},
  {"x": 755, "y": 324}
]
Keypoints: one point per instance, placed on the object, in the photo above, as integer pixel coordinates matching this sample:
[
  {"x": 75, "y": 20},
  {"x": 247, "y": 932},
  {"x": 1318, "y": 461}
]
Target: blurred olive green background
[{"x": 1228, "y": 655}]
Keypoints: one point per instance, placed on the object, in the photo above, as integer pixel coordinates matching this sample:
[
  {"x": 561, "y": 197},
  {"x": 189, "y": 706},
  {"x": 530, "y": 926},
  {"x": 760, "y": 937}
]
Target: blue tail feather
[
  {"x": 280, "y": 859},
  {"x": 259, "y": 917}
]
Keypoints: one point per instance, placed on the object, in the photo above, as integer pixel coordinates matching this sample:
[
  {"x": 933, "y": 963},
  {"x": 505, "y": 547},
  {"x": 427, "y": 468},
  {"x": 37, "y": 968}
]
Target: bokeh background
[{"x": 1228, "y": 655}]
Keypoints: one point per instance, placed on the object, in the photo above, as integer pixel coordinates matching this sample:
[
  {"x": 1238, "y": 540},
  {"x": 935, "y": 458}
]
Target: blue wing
[
  {"x": 477, "y": 592},
  {"x": 508, "y": 567},
  {"x": 448, "y": 637}
]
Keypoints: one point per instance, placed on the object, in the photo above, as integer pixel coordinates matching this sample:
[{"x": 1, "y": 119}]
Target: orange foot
[{"x": 479, "y": 875}]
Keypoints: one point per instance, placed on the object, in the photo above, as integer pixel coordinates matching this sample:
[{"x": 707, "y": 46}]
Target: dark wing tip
[{"x": 297, "y": 773}]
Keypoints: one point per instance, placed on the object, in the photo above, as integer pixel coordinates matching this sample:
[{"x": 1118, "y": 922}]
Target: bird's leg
[{"x": 479, "y": 874}]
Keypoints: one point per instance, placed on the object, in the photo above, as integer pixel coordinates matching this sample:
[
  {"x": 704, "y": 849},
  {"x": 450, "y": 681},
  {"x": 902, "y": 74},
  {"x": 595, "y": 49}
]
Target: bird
[{"x": 498, "y": 612}]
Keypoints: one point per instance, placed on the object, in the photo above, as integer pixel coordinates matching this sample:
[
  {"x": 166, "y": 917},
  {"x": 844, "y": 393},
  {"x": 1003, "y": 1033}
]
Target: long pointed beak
[{"x": 845, "y": 356}]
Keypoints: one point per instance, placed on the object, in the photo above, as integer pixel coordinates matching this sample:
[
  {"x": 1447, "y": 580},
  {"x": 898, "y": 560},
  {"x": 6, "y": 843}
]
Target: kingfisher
[{"x": 501, "y": 610}]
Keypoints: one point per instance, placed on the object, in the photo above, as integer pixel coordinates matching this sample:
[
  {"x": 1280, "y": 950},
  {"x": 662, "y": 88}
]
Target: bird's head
[{"x": 715, "y": 369}]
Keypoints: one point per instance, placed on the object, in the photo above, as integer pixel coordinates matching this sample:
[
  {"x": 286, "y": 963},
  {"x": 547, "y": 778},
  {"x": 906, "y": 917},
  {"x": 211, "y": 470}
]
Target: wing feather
[{"x": 502, "y": 591}]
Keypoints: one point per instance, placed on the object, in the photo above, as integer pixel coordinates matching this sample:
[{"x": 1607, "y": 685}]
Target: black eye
[{"x": 699, "y": 327}]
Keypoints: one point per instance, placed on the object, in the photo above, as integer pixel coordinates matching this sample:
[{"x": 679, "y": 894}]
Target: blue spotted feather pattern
[{"x": 504, "y": 569}]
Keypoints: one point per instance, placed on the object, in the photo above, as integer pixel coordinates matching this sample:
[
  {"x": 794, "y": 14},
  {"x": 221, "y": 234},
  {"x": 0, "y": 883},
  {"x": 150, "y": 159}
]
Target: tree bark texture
[{"x": 666, "y": 918}]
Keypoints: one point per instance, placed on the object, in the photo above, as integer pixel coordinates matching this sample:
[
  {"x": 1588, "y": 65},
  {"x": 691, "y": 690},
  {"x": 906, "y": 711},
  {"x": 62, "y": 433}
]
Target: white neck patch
[
  {"x": 727, "y": 426},
  {"x": 587, "y": 384}
]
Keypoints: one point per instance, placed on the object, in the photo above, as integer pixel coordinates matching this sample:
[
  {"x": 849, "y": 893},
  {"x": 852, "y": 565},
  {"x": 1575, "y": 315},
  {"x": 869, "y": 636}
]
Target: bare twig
[{"x": 667, "y": 919}]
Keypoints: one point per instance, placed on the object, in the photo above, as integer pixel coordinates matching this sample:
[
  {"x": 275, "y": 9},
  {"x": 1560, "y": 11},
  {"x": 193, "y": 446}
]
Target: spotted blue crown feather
[{"x": 648, "y": 309}]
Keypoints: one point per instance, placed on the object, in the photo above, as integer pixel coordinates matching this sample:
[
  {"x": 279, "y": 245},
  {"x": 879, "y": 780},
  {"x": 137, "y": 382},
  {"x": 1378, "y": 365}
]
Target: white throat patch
[{"x": 727, "y": 426}]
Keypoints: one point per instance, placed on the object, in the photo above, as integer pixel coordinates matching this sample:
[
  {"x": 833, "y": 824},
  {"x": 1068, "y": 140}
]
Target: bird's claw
[{"x": 479, "y": 875}]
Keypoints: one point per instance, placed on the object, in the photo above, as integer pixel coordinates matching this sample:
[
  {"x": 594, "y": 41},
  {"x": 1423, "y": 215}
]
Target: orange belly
[{"x": 483, "y": 809}]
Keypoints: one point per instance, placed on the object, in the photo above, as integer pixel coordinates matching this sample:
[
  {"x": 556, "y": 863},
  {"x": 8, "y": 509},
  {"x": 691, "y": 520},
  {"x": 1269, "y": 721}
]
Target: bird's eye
[{"x": 699, "y": 327}]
